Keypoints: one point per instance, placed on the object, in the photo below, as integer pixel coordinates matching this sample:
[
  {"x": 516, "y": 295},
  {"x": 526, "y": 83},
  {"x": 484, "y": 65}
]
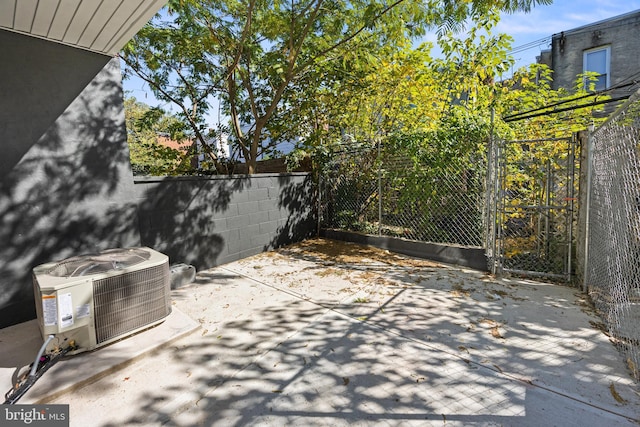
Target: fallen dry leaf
[
  {"x": 458, "y": 290},
  {"x": 495, "y": 332},
  {"x": 488, "y": 321},
  {"x": 600, "y": 326},
  {"x": 632, "y": 366},
  {"x": 615, "y": 394}
]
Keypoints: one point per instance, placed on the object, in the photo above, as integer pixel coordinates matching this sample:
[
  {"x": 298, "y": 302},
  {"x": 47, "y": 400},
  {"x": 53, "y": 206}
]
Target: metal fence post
[
  {"x": 379, "y": 188},
  {"x": 571, "y": 187},
  {"x": 585, "y": 267},
  {"x": 490, "y": 200},
  {"x": 320, "y": 210}
]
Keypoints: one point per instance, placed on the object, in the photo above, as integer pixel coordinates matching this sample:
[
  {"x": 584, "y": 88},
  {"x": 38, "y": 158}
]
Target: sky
[{"x": 531, "y": 33}]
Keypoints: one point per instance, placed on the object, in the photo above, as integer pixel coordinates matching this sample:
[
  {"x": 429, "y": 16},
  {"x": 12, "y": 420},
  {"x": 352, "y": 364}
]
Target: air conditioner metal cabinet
[{"x": 100, "y": 298}]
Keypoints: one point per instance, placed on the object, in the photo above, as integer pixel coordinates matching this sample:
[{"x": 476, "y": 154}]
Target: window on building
[{"x": 597, "y": 60}]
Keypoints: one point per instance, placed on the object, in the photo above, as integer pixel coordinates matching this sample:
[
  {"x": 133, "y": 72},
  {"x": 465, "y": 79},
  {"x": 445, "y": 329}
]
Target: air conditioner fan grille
[{"x": 130, "y": 301}]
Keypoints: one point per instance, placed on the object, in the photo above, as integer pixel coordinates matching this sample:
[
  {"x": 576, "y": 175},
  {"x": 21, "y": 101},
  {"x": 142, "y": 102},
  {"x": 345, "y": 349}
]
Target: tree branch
[
  {"x": 179, "y": 103},
  {"x": 352, "y": 36}
]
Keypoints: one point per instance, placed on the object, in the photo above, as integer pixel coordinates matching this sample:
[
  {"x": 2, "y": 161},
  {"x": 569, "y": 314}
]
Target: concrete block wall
[{"x": 208, "y": 221}]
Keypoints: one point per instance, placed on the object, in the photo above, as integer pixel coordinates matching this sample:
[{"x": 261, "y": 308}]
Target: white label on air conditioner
[
  {"x": 82, "y": 311},
  {"x": 65, "y": 308},
  {"x": 49, "y": 310}
]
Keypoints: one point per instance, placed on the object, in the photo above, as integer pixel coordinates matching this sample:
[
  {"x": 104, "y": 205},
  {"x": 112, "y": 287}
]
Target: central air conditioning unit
[{"x": 99, "y": 298}]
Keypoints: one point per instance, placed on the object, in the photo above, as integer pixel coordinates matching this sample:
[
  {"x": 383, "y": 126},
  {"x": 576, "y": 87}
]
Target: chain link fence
[
  {"x": 612, "y": 270},
  {"x": 535, "y": 203},
  {"x": 516, "y": 200},
  {"x": 379, "y": 191}
]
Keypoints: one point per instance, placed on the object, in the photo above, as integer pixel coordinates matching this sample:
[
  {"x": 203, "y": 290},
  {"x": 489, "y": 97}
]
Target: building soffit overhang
[{"x": 100, "y": 26}]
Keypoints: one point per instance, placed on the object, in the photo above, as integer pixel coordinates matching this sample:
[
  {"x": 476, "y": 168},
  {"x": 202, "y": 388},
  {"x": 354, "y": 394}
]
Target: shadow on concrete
[{"x": 421, "y": 345}]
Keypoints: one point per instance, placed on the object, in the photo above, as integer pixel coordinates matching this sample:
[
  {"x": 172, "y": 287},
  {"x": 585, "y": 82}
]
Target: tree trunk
[{"x": 252, "y": 165}]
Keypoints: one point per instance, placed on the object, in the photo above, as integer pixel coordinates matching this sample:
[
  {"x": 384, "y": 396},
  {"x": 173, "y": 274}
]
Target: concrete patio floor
[{"x": 324, "y": 333}]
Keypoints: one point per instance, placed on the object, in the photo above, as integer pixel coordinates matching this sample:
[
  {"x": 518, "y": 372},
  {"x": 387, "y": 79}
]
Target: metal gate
[{"x": 531, "y": 207}]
